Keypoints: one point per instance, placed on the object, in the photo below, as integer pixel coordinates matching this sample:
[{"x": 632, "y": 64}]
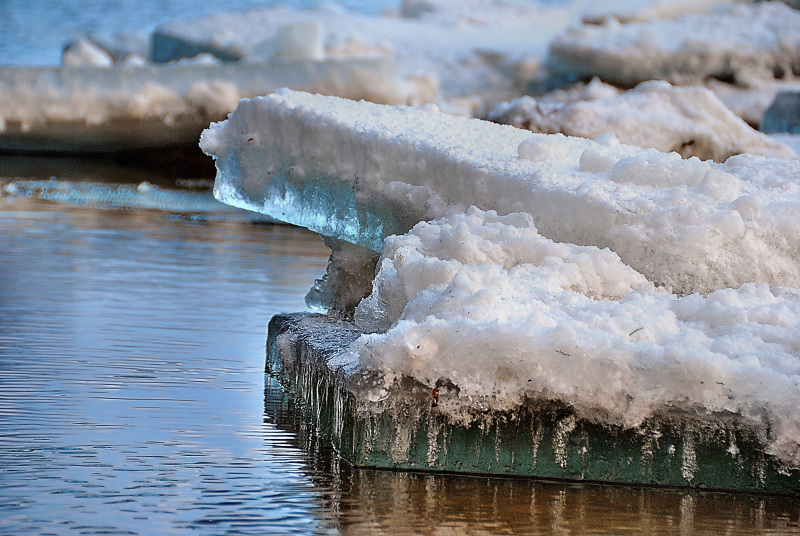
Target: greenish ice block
[{"x": 403, "y": 428}]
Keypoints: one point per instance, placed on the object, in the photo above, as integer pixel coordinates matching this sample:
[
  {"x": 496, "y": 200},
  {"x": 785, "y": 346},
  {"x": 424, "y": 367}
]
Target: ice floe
[
  {"x": 479, "y": 51},
  {"x": 624, "y": 282},
  {"x": 360, "y": 172},
  {"x": 691, "y": 121},
  {"x": 126, "y": 106}
]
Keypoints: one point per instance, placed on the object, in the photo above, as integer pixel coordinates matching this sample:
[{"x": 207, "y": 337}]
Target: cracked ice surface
[{"x": 624, "y": 282}]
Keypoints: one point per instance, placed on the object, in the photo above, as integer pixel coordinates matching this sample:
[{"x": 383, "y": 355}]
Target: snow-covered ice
[
  {"x": 734, "y": 42},
  {"x": 624, "y": 282},
  {"x": 691, "y": 121},
  {"x": 486, "y": 302},
  {"x": 360, "y": 172}
]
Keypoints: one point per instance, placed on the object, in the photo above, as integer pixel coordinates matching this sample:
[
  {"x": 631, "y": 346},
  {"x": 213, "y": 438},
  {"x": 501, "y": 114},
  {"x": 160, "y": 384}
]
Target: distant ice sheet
[
  {"x": 688, "y": 120},
  {"x": 34, "y": 33},
  {"x": 123, "y": 107},
  {"x": 471, "y": 50}
]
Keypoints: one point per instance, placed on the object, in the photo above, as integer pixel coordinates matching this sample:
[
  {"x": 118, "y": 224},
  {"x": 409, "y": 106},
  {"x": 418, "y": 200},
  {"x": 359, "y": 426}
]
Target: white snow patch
[
  {"x": 505, "y": 314},
  {"x": 688, "y": 120},
  {"x": 734, "y": 41}
]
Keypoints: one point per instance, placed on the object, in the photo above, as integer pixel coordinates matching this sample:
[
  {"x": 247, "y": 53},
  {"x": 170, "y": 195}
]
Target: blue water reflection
[{"x": 131, "y": 373}]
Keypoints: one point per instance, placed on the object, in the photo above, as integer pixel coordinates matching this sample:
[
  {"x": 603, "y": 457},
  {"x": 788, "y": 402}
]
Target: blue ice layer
[{"x": 325, "y": 205}]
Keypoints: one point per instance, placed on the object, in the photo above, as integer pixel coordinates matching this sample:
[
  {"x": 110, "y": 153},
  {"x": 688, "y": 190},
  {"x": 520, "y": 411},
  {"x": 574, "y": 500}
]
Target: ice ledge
[{"x": 360, "y": 172}]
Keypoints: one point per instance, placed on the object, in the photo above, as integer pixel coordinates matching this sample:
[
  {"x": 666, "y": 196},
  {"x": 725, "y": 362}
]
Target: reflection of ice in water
[{"x": 199, "y": 204}]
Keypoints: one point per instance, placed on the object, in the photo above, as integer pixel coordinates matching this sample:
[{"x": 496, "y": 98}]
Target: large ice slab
[
  {"x": 691, "y": 121},
  {"x": 409, "y": 425},
  {"x": 759, "y": 40},
  {"x": 124, "y": 107},
  {"x": 361, "y": 172},
  {"x": 630, "y": 286}
]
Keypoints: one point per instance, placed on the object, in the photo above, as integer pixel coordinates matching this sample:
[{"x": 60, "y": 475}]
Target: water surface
[
  {"x": 131, "y": 372},
  {"x": 133, "y": 400}
]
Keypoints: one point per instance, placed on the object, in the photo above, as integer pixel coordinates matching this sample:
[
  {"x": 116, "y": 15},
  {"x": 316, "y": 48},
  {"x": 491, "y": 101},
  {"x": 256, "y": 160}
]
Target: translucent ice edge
[{"x": 325, "y": 205}]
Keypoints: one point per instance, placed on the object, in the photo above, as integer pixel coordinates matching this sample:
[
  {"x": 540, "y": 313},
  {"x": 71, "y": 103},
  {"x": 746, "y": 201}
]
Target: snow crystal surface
[
  {"x": 732, "y": 42},
  {"x": 505, "y": 314},
  {"x": 687, "y": 120},
  {"x": 360, "y": 172}
]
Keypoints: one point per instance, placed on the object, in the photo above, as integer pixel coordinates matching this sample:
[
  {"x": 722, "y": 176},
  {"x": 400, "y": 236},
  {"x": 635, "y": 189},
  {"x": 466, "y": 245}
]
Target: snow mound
[
  {"x": 487, "y": 303},
  {"x": 733, "y": 42},
  {"x": 688, "y": 120}
]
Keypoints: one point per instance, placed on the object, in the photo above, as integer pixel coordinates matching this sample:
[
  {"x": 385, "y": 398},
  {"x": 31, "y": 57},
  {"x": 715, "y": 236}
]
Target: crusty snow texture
[
  {"x": 504, "y": 313},
  {"x": 691, "y": 121},
  {"x": 736, "y": 41}
]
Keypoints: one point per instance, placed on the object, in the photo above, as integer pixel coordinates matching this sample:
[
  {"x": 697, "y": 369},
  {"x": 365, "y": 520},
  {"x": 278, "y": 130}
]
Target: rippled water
[
  {"x": 131, "y": 373},
  {"x": 133, "y": 401}
]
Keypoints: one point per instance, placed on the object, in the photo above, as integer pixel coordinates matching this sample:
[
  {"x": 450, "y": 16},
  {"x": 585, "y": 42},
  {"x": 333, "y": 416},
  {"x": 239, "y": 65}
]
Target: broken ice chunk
[
  {"x": 487, "y": 303},
  {"x": 688, "y": 120},
  {"x": 731, "y": 43}
]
